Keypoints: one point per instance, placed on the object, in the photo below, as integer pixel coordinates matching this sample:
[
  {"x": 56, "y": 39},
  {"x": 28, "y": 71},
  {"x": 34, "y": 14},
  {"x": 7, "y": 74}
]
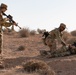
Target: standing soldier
[
  {"x": 3, "y": 22},
  {"x": 54, "y": 37}
]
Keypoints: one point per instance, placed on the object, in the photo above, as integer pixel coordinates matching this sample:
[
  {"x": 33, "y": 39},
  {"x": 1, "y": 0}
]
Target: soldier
[
  {"x": 54, "y": 37},
  {"x": 3, "y": 22}
]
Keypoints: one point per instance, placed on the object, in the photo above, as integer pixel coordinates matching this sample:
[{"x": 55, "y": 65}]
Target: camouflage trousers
[
  {"x": 52, "y": 44},
  {"x": 63, "y": 51}
]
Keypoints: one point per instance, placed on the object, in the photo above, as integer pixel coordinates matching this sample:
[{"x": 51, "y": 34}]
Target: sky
[{"x": 42, "y": 14}]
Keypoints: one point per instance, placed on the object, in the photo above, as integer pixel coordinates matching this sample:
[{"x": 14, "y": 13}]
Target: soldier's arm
[
  {"x": 57, "y": 33},
  {"x": 5, "y": 22}
]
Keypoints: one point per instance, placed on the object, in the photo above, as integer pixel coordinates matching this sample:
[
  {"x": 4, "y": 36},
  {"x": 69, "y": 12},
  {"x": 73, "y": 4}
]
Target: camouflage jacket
[
  {"x": 56, "y": 34},
  {"x": 3, "y": 22}
]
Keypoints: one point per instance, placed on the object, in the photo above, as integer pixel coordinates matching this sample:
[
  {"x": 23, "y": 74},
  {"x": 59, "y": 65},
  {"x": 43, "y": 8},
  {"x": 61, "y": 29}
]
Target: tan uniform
[
  {"x": 5, "y": 24},
  {"x": 52, "y": 39}
]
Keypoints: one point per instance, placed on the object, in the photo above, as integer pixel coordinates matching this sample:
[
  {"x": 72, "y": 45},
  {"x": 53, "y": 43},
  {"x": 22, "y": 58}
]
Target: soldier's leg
[{"x": 54, "y": 46}]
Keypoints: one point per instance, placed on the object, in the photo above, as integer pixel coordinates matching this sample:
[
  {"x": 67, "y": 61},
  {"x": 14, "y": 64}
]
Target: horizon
[{"x": 42, "y": 14}]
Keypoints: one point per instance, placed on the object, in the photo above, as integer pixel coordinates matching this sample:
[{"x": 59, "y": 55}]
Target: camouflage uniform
[
  {"x": 52, "y": 40},
  {"x": 63, "y": 51},
  {"x": 54, "y": 37},
  {"x": 4, "y": 23}
]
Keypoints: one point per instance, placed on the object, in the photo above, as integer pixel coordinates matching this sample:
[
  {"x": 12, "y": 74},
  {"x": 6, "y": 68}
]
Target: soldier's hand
[{"x": 6, "y": 19}]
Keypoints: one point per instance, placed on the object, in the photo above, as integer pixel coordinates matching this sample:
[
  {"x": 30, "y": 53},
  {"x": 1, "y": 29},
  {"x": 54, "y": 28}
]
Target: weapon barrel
[
  {"x": 18, "y": 26},
  {"x": 10, "y": 17}
]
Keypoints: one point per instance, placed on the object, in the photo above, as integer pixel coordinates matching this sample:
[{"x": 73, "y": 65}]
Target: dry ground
[{"x": 14, "y": 58}]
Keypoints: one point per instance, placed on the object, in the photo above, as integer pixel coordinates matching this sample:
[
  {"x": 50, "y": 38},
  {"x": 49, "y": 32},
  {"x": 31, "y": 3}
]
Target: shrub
[
  {"x": 40, "y": 31},
  {"x": 32, "y": 32},
  {"x": 25, "y": 32},
  {"x": 21, "y": 48},
  {"x": 71, "y": 40},
  {"x": 33, "y": 65},
  {"x": 66, "y": 35},
  {"x": 47, "y": 72},
  {"x": 73, "y": 33},
  {"x": 39, "y": 66}
]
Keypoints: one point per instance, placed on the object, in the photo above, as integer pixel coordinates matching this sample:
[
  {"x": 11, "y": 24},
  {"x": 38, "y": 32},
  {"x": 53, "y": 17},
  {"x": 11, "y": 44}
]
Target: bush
[
  {"x": 34, "y": 65},
  {"x": 33, "y": 32},
  {"x": 21, "y": 48},
  {"x": 38, "y": 66},
  {"x": 71, "y": 40},
  {"x": 73, "y": 33},
  {"x": 25, "y": 32},
  {"x": 40, "y": 31},
  {"x": 47, "y": 72},
  {"x": 66, "y": 35}
]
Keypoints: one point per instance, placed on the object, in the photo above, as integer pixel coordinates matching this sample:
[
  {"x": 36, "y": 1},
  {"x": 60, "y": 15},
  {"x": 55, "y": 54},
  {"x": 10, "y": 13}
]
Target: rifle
[{"x": 11, "y": 19}]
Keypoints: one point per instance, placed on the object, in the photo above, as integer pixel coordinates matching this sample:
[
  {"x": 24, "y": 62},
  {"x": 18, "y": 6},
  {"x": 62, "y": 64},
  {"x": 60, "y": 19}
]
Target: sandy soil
[{"x": 14, "y": 58}]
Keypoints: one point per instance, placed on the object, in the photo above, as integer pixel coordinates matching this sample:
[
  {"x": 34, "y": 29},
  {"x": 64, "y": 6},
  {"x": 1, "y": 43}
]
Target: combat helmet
[
  {"x": 62, "y": 25},
  {"x": 3, "y": 6}
]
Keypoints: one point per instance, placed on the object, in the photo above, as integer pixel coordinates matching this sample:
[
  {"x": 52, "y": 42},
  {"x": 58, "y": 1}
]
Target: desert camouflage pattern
[
  {"x": 61, "y": 52},
  {"x": 4, "y": 23},
  {"x": 56, "y": 34},
  {"x": 52, "y": 40}
]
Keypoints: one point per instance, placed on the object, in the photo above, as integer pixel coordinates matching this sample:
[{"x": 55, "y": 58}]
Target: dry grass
[
  {"x": 71, "y": 40},
  {"x": 38, "y": 66},
  {"x": 32, "y": 32},
  {"x": 73, "y": 33},
  {"x": 33, "y": 65},
  {"x": 25, "y": 32},
  {"x": 47, "y": 72},
  {"x": 40, "y": 31},
  {"x": 33, "y": 45},
  {"x": 66, "y": 35},
  {"x": 20, "y": 48}
]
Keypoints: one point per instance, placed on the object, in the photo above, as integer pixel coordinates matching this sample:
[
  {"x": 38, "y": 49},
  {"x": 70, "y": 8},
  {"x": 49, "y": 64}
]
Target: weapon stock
[{"x": 11, "y": 19}]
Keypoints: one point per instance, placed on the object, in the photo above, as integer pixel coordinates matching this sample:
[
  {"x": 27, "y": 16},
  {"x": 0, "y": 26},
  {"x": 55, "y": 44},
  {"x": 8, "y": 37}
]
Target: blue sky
[{"x": 43, "y": 14}]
